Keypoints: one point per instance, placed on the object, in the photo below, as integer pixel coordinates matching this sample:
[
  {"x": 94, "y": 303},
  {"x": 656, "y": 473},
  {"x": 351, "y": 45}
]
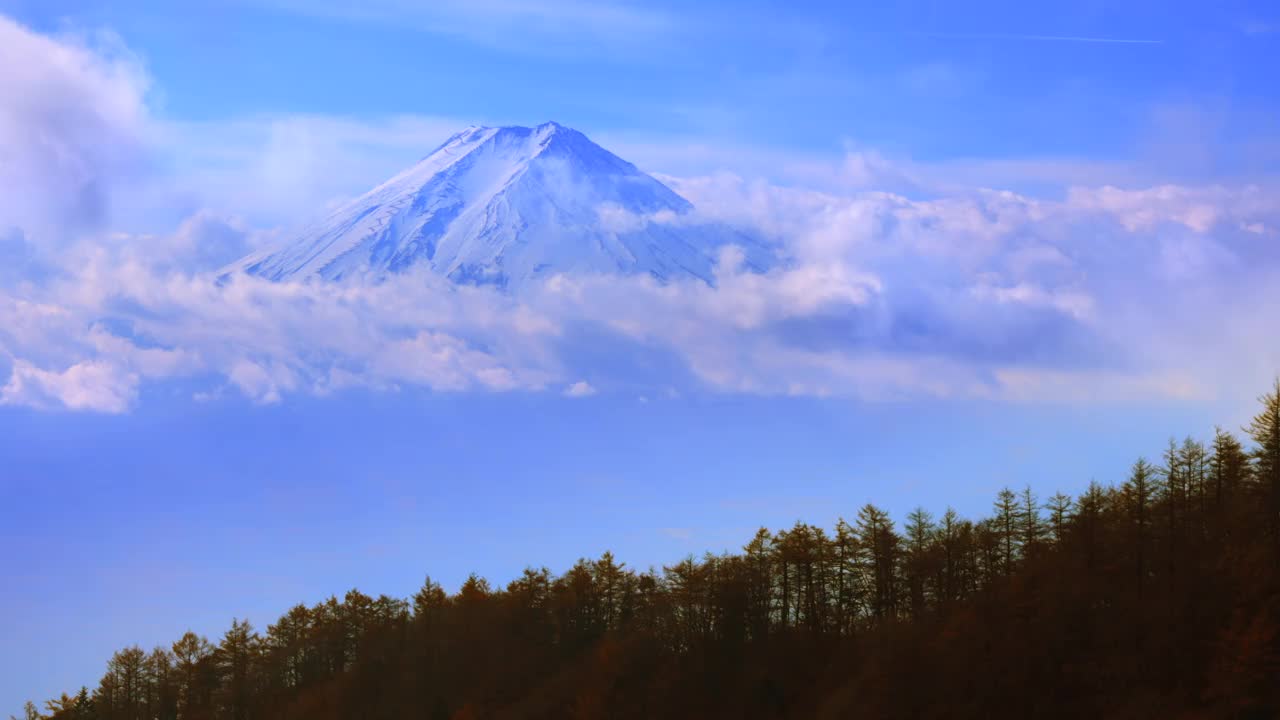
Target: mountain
[{"x": 508, "y": 206}]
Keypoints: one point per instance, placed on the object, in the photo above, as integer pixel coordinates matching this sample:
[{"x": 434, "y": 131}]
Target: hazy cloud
[
  {"x": 282, "y": 169},
  {"x": 582, "y": 388},
  {"x": 72, "y": 127},
  {"x": 527, "y": 26}
]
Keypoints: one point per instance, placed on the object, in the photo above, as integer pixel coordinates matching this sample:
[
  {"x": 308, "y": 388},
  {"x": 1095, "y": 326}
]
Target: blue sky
[{"x": 1026, "y": 244}]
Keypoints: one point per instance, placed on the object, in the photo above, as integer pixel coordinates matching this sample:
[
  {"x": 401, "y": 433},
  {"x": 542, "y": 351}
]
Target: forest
[{"x": 1156, "y": 598}]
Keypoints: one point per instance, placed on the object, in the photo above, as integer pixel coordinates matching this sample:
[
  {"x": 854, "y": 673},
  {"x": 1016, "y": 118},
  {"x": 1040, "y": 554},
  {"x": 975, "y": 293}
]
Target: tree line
[{"x": 1159, "y": 597}]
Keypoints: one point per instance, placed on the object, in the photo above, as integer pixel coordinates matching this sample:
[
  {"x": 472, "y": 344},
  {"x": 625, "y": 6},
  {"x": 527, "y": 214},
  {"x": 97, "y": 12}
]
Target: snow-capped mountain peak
[{"x": 509, "y": 206}]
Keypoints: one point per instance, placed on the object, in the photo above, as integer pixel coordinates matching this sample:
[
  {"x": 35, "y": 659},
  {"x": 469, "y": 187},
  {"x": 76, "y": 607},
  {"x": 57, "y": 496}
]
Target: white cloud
[
  {"x": 150, "y": 323},
  {"x": 87, "y": 385},
  {"x": 73, "y": 124},
  {"x": 988, "y": 295},
  {"x": 1077, "y": 304},
  {"x": 1196, "y": 208},
  {"x": 582, "y": 388},
  {"x": 617, "y": 219},
  {"x": 258, "y": 383}
]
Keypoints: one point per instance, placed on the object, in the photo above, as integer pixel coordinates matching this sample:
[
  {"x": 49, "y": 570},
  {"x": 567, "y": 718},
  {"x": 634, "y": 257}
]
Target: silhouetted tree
[
  {"x": 1059, "y": 507},
  {"x": 1137, "y": 493},
  {"x": 1265, "y": 431},
  {"x": 1029, "y": 520},
  {"x": 1006, "y": 526}
]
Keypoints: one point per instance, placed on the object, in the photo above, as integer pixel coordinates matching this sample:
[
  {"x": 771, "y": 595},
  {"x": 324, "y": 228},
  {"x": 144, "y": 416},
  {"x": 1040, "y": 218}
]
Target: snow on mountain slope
[{"x": 508, "y": 206}]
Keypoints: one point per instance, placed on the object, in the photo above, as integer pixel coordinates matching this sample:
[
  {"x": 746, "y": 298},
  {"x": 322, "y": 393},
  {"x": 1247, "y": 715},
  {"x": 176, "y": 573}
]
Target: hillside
[{"x": 1159, "y": 598}]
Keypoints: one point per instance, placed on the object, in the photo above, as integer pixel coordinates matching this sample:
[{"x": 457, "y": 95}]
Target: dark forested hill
[{"x": 1156, "y": 599}]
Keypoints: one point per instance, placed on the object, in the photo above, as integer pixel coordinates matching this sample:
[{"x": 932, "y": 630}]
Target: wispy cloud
[
  {"x": 1259, "y": 27},
  {"x": 1033, "y": 37},
  {"x": 286, "y": 168},
  {"x": 677, "y": 533},
  {"x": 547, "y": 27}
]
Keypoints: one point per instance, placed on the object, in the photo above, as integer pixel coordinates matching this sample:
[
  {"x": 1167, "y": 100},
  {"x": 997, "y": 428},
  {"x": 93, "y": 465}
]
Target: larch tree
[
  {"x": 919, "y": 530},
  {"x": 1007, "y": 523},
  {"x": 1089, "y": 511},
  {"x": 1029, "y": 520},
  {"x": 236, "y": 656},
  {"x": 879, "y": 545},
  {"x": 1060, "y": 507},
  {"x": 1138, "y": 492},
  {"x": 1228, "y": 467},
  {"x": 759, "y": 570},
  {"x": 1264, "y": 429},
  {"x": 192, "y": 654}
]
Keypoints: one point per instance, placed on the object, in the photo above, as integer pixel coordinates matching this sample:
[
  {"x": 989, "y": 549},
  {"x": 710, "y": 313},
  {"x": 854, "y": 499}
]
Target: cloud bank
[
  {"x": 936, "y": 289},
  {"x": 72, "y": 123}
]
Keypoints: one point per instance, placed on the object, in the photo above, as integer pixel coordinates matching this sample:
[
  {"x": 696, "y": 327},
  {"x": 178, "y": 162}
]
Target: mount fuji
[{"x": 510, "y": 206}]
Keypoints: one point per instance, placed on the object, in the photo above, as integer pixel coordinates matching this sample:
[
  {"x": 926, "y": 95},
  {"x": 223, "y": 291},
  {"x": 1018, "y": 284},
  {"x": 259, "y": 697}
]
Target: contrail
[{"x": 1045, "y": 38}]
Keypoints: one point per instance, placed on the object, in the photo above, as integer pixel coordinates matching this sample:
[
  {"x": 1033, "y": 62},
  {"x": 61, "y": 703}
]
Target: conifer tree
[
  {"x": 1006, "y": 526},
  {"x": 1138, "y": 491},
  {"x": 879, "y": 545},
  {"x": 235, "y": 666},
  {"x": 759, "y": 583},
  {"x": 1059, "y": 507},
  {"x": 847, "y": 590},
  {"x": 193, "y": 659},
  {"x": 949, "y": 532},
  {"x": 1032, "y": 526},
  {"x": 1228, "y": 467},
  {"x": 1195, "y": 463},
  {"x": 1089, "y": 518},
  {"x": 1265, "y": 432},
  {"x": 919, "y": 530}
]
